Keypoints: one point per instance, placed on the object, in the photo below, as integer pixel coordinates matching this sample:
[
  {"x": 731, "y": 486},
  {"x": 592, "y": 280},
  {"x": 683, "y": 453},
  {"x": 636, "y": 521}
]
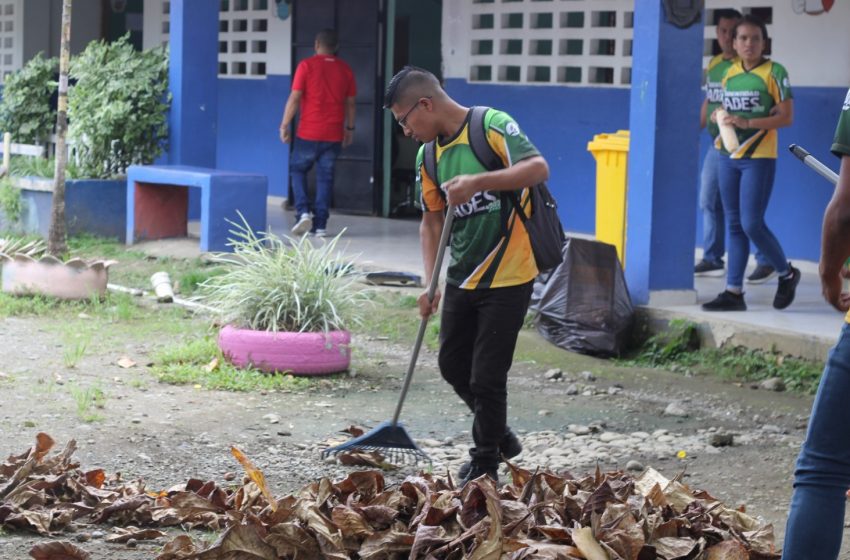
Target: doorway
[
  {"x": 359, "y": 27},
  {"x": 416, "y": 40}
]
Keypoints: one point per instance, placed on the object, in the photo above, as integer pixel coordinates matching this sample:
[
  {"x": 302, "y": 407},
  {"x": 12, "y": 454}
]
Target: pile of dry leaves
[{"x": 539, "y": 515}]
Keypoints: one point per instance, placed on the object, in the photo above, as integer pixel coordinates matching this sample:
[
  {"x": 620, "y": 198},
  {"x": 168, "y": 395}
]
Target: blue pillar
[
  {"x": 663, "y": 170},
  {"x": 193, "y": 81}
]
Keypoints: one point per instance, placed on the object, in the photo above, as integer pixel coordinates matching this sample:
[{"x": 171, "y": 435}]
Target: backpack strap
[
  {"x": 429, "y": 159},
  {"x": 478, "y": 141}
]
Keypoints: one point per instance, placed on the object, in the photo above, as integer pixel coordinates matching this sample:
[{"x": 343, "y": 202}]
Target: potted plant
[
  {"x": 285, "y": 303},
  {"x": 118, "y": 116}
]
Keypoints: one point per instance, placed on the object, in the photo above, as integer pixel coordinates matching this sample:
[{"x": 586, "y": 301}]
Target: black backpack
[{"x": 544, "y": 226}]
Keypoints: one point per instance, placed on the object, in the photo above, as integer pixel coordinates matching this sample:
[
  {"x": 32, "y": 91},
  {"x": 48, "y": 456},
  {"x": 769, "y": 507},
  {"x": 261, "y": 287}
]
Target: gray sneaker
[
  {"x": 761, "y": 274},
  {"x": 303, "y": 225}
]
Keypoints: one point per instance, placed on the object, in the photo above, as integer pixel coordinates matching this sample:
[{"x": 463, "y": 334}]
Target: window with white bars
[
  {"x": 243, "y": 36},
  {"x": 10, "y": 37},
  {"x": 569, "y": 42},
  {"x": 763, "y": 11}
]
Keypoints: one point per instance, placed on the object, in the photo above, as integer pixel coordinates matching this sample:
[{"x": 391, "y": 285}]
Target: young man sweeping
[{"x": 491, "y": 267}]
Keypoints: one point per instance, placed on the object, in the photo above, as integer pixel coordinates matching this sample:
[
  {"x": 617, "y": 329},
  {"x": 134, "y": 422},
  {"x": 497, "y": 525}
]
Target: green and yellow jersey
[
  {"x": 841, "y": 142},
  {"x": 713, "y": 86},
  {"x": 751, "y": 94},
  {"x": 485, "y": 252}
]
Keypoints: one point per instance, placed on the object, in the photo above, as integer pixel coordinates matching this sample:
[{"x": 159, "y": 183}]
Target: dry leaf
[
  {"x": 212, "y": 366},
  {"x": 256, "y": 475},
  {"x": 58, "y": 550},
  {"x": 125, "y": 362},
  {"x": 727, "y": 550},
  {"x": 588, "y": 545}
]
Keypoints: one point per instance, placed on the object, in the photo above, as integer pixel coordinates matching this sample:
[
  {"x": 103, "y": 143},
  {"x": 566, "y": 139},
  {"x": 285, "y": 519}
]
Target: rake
[
  {"x": 391, "y": 438},
  {"x": 814, "y": 163}
]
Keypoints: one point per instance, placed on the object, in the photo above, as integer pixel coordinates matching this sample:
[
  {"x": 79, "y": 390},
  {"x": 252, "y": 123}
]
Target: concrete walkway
[{"x": 808, "y": 328}]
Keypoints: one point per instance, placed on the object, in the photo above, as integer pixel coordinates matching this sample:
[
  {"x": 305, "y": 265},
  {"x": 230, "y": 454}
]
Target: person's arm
[
  {"x": 781, "y": 115},
  {"x": 524, "y": 173},
  {"x": 292, "y": 105},
  {"x": 703, "y": 113},
  {"x": 350, "y": 108},
  {"x": 430, "y": 229},
  {"x": 835, "y": 243}
]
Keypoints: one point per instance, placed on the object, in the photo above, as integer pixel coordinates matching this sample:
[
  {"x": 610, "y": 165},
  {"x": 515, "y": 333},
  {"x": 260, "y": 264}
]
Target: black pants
[{"x": 478, "y": 335}]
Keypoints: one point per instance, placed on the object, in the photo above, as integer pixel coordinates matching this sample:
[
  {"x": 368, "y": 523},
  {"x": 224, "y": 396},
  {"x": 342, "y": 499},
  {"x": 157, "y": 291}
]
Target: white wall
[
  {"x": 813, "y": 48},
  {"x": 276, "y": 37}
]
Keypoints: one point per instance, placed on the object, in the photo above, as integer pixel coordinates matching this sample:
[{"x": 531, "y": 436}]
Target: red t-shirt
[{"x": 325, "y": 82}]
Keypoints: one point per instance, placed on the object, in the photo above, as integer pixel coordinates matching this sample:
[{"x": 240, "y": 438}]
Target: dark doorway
[
  {"x": 416, "y": 41},
  {"x": 359, "y": 27}
]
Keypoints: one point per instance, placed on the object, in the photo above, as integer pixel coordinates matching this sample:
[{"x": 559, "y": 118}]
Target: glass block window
[
  {"x": 554, "y": 42},
  {"x": 11, "y": 37},
  {"x": 243, "y": 36}
]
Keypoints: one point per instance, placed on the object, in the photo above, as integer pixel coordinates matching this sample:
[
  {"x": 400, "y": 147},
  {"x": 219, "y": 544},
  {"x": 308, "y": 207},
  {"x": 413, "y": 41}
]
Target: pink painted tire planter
[{"x": 300, "y": 353}]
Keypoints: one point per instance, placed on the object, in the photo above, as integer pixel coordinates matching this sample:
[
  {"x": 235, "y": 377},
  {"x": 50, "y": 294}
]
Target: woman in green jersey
[{"x": 757, "y": 101}]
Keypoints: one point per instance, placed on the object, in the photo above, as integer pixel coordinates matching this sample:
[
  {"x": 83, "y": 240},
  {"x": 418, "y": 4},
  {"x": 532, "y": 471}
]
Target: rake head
[{"x": 390, "y": 440}]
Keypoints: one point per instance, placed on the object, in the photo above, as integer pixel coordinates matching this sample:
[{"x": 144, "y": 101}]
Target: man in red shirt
[{"x": 323, "y": 89}]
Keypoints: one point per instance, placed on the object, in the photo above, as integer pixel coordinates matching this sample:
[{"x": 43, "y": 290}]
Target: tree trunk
[{"x": 57, "y": 238}]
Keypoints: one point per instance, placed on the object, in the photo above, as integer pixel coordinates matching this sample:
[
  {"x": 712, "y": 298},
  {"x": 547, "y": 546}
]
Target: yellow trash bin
[{"x": 611, "y": 152}]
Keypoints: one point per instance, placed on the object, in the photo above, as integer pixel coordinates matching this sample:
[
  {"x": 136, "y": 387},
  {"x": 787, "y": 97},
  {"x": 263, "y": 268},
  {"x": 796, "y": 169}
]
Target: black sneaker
[
  {"x": 762, "y": 273},
  {"x": 477, "y": 471},
  {"x": 787, "y": 288},
  {"x": 509, "y": 447},
  {"x": 726, "y": 301},
  {"x": 708, "y": 268}
]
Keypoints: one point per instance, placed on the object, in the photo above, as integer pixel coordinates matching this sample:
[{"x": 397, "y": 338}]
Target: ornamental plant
[
  {"x": 25, "y": 110},
  {"x": 284, "y": 284},
  {"x": 117, "y": 108}
]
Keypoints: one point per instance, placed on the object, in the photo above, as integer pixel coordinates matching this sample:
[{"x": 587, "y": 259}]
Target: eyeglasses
[{"x": 402, "y": 122}]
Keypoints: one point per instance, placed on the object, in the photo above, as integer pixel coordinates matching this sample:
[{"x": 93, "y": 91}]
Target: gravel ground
[{"x": 589, "y": 413}]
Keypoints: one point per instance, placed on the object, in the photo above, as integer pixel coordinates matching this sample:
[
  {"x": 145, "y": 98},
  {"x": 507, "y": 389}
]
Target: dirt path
[{"x": 166, "y": 434}]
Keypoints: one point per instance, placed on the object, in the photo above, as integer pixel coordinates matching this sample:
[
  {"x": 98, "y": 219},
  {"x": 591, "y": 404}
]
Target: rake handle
[
  {"x": 814, "y": 163},
  {"x": 423, "y": 324}
]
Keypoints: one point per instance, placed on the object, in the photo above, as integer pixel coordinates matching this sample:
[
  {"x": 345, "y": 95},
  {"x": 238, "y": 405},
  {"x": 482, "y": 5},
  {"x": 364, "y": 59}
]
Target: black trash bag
[{"x": 584, "y": 305}]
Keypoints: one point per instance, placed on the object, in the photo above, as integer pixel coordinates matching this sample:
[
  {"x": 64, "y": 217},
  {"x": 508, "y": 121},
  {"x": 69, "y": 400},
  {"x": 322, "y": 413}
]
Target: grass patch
[
  {"x": 677, "y": 349},
  {"x": 396, "y": 318},
  {"x": 87, "y": 400},
  {"x": 74, "y": 351},
  {"x": 190, "y": 363}
]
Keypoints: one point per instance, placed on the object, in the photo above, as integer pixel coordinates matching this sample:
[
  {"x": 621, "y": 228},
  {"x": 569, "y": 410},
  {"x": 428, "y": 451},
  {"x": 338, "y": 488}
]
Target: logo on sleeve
[{"x": 512, "y": 129}]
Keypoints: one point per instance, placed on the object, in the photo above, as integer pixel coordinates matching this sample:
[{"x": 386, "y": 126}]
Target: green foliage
[
  {"x": 25, "y": 109},
  {"x": 27, "y": 166},
  {"x": 75, "y": 349},
  {"x": 200, "y": 362},
  {"x": 677, "y": 349},
  {"x": 680, "y": 338},
  {"x": 117, "y": 110},
  {"x": 274, "y": 285},
  {"x": 11, "y": 203}
]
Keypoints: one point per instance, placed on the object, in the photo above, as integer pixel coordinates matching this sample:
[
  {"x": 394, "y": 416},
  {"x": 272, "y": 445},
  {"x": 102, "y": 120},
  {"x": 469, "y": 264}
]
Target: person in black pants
[{"x": 491, "y": 267}]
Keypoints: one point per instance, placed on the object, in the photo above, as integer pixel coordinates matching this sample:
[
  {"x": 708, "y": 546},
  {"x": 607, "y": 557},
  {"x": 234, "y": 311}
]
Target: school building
[{"x": 565, "y": 69}]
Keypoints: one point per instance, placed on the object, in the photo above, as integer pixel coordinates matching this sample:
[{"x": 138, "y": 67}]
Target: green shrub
[
  {"x": 117, "y": 110},
  {"x": 25, "y": 111},
  {"x": 11, "y": 203}
]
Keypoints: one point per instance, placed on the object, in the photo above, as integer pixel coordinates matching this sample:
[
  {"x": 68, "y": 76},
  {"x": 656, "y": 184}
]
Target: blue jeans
[
  {"x": 713, "y": 220},
  {"x": 816, "y": 519},
  {"x": 745, "y": 188},
  {"x": 304, "y": 154}
]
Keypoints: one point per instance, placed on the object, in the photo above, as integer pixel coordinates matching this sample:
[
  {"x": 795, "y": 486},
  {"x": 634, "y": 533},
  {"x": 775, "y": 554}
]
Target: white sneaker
[
  {"x": 303, "y": 225},
  {"x": 321, "y": 233}
]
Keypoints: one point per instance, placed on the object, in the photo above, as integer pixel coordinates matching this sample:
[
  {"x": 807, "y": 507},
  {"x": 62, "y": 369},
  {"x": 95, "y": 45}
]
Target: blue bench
[{"x": 158, "y": 202}]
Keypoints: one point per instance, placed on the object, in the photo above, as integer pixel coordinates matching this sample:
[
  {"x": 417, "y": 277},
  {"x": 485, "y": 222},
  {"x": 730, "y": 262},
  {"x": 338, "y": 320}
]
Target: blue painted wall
[
  {"x": 560, "y": 121},
  {"x": 248, "y": 121}
]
